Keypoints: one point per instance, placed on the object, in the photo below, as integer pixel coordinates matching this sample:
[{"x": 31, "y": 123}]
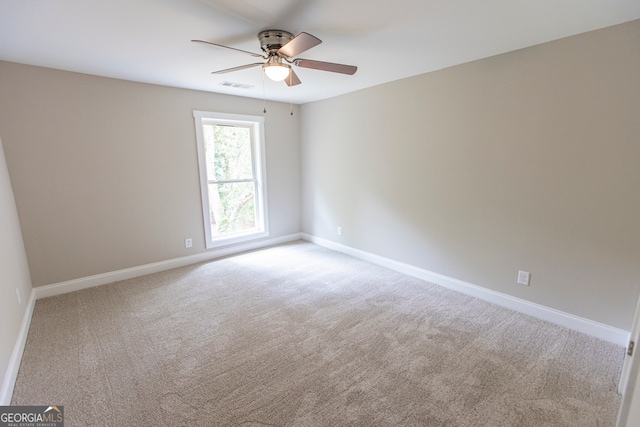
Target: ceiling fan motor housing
[{"x": 272, "y": 40}]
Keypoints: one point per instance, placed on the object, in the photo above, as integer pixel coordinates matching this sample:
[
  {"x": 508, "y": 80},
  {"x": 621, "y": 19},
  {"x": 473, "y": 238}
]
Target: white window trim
[{"x": 258, "y": 147}]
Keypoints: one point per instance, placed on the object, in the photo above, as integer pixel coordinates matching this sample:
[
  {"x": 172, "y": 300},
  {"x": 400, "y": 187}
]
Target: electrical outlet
[
  {"x": 188, "y": 243},
  {"x": 339, "y": 231},
  {"x": 19, "y": 296},
  {"x": 523, "y": 277}
]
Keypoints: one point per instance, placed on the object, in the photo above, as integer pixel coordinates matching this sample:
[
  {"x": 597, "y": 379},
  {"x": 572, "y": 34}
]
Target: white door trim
[{"x": 629, "y": 378}]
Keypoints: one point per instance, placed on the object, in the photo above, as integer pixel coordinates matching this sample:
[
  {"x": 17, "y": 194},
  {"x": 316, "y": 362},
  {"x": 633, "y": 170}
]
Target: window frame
[{"x": 258, "y": 160}]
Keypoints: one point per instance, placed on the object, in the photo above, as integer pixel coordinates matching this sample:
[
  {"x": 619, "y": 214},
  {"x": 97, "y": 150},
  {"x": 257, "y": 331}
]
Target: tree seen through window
[{"x": 230, "y": 178}]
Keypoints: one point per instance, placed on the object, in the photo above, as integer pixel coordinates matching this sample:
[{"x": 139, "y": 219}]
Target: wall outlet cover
[{"x": 523, "y": 277}]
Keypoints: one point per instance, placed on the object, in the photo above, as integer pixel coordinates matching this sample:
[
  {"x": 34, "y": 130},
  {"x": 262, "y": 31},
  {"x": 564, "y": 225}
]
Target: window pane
[
  {"x": 232, "y": 208},
  {"x": 209, "y": 150},
  {"x": 228, "y": 152}
]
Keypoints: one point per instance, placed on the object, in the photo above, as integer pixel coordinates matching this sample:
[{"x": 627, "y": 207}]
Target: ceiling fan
[{"x": 281, "y": 48}]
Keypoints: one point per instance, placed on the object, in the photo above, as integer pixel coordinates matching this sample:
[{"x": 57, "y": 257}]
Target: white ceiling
[{"x": 149, "y": 40}]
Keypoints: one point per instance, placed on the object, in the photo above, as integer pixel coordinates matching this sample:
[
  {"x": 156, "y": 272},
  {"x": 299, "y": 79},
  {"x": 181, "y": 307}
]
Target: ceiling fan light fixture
[{"x": 276, "y": 71}]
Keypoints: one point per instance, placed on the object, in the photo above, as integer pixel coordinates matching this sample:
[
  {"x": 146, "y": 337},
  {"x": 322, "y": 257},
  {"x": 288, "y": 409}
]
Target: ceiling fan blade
[
  {"x": 299, "y": 44},
  {"x": 242, "y": 67},
  {"x": 293, "y": 79},
  {"x": 326, "y": 66},
  {"x": 257, "y": 55}
]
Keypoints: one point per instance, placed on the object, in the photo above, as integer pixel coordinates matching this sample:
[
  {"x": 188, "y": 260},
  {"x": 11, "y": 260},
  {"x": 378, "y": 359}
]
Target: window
[{"x": 232, "y": 177}]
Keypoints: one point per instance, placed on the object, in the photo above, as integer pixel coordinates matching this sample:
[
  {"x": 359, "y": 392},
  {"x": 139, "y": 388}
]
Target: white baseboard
[
  {"x": 129, "y": 273},
  {"x": 16, "y": 356},
  {"x": 576, "y": 323}
]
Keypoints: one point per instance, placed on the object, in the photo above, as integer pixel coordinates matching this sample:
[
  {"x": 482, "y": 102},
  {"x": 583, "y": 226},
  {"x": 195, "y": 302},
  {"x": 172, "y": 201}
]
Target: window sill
[{"x": 236, "y": 238}]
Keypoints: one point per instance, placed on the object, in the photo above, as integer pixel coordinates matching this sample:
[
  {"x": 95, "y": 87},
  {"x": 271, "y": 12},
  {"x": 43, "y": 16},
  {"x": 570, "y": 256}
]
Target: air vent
[{"x": 236, "y": 85}]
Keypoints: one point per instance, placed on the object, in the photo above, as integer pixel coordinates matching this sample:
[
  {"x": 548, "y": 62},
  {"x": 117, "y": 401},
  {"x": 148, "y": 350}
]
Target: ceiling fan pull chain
[
  {"x": 290, "y": 95},
  {"x": 264, "y": 97}
]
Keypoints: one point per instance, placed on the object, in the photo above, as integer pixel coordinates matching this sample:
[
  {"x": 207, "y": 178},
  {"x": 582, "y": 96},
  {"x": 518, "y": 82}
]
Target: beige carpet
[{"x": 297, "y": 335}]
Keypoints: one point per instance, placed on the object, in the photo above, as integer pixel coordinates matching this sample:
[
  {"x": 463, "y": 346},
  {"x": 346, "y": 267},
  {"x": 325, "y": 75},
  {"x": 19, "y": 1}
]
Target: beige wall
[
  {"x": 105, "y": 171},
  {"x": 528, "y": 160},
  {"x": 14, "y": 271}
]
